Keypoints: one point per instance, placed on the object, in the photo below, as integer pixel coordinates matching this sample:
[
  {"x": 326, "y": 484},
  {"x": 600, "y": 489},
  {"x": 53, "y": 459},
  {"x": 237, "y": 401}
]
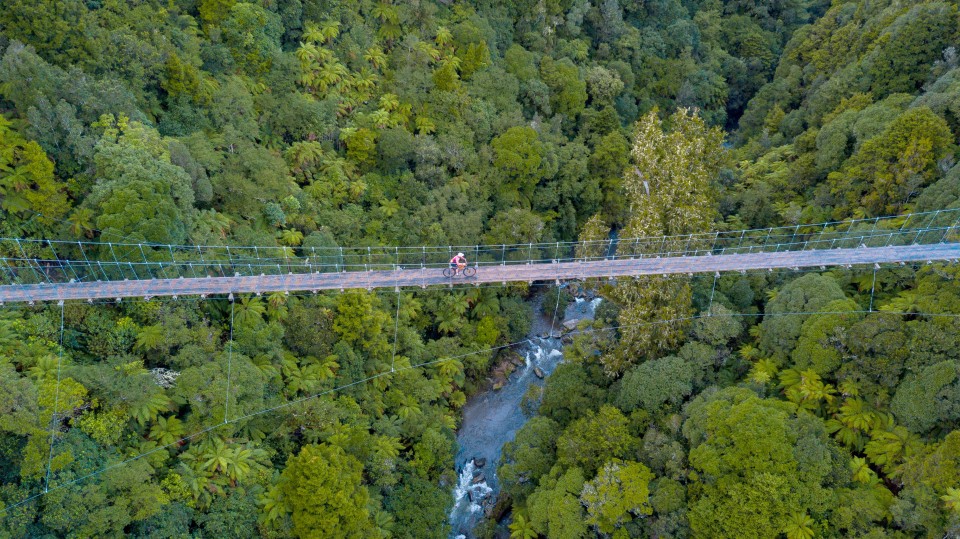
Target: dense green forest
[{"x": 318, "y": 123}]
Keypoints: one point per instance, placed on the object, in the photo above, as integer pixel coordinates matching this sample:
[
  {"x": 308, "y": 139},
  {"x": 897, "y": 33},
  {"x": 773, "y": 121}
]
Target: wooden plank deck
[{"x": 432, "y": 276}]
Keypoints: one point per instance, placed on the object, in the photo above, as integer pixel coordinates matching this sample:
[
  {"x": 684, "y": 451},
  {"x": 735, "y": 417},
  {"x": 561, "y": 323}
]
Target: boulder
[
  {"x": 538, "y": 372},
  {"x": 498, "y": 508},
  {"x": 479, "y": 462},
  {"x": 570, "y": 325},
  {"x": 479, "y": 478}
]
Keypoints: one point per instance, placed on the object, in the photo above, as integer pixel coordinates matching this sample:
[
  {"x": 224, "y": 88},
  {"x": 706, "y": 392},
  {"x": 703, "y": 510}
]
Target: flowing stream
[{"x": 492, "y": 418}]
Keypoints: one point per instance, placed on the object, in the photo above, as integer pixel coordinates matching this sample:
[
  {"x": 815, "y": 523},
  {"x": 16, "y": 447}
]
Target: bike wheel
[
  {"x": 447, "y": 272},
  {"x": 469, "y": 272}
]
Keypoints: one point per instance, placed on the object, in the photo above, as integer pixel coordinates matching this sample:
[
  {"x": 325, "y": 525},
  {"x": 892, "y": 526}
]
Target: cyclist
[{"x": 457, "y": 263}]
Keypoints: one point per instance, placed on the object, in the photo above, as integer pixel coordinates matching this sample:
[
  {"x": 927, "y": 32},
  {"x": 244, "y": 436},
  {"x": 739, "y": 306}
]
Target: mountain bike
[{"x": 466, "y": 272}]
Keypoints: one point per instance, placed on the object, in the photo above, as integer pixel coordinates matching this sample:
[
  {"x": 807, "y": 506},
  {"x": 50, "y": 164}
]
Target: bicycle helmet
[{"x": 459, "y": 254}]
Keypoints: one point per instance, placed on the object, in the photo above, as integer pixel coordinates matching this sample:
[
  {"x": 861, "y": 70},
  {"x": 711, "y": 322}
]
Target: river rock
[
  {"x": 479, "y": 462},
  {"x": 538, "y": 372},
  {"x": 498, "y": 386},
  {"x": 498, "y": 508},
  {"x": 570, "y": 325},
  {"x": 567, "y": 339},
  {"x": 479, "y": 478}
]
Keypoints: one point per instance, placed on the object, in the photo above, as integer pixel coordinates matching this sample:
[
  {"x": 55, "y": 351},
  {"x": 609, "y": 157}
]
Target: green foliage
[
  {"x": 618, "y": 493},
  {"x": 531, "y": 454},
  {"x": 518, "y": 154},
  {"x": 141, "y": 194},
  {"x": 749, "y": 484},
  {"x": 820, "y": 345},
  {"x": 783, "y": 324},
  {"x": 316, "y": 124},
  {"x": 253, "y": 36},
  {"x": 670, "y": 192},
  {"x": 122, "y": 496},
  {"x": 419, "y": 508},
  {"x": 891, "y": 168},
  {"x": 652, "y": 384},
  {"x": 718, "y": 327},
  {"x": 913, "y": 40},
  {"x": 555, "y": 508},
  {"x": 322, "y": 489},
  {"x": 520, "y": 528},
  {"x": 928, "y": 398},
  {"x": 27, "y": 184},
  {"x": 213, "y": 12},
  {"x": 515, "y": 226},
  {"x": 594, "y": 439},
  {"x": 570, "y": 392},
  {"x": 568, "y": 90}
]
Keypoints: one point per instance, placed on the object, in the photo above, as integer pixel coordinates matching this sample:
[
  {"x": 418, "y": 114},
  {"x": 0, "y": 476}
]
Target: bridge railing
[{"x": 25, "y": 261}]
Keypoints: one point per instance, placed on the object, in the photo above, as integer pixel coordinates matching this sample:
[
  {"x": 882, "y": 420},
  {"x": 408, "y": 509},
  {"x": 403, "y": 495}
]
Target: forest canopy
[{"x": 792, "y": 404}]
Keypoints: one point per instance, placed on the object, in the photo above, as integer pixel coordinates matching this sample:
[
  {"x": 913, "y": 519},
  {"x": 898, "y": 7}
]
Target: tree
[
  {"x": 253, "y": 36},
  {"x": 653, "y": 383},
  {"x": 27, "y": 184},
  {"x": 555, "y": 509},
  {"x": 323, "y": 490},
  {"x": 419, "y": 508},
  {"x": 742, "y": 448},
  {"x": 781, "y": 328},
  {"x": 890, "y": 444},
  {"x": 568, "y": 90},
  {"x": 594, "y": 439},
  {"x": 231, "y": 515},
  {"x": 123, "y": 495},
  {"x": 248, "y": 312},
  {"x": 910, "y": 44},
  {"x": 213, "y": 12},
  {"x": 518, "y": 154},
  {"x": 359, "y": 322},
  {"x": 140, "y": 194},
  {"x": 521, "y": 528},
  {"x": 528, "y": 457},
  {"x": 670, "y": 193},
  {"x": 434, "y": 452},
  {"x": 820, "y": 345},
  {"x": 878, "y": 350},
  {"x": 952, "y": 499},
  {"x": 929, "y": 398},
  {"x": 799, "y": 526},
  {"x": 604, "y": 84},
  {"x": 570, "y": 393},
  {"x": 514, "y": 226},
  {"x": 619, "y": 492},
  {"x": 891, "y": 168},
  {"x": 166, "y": 430}
]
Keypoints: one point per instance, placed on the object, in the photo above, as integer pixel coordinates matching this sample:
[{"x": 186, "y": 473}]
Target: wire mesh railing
[{"x": 30, "y": 261}]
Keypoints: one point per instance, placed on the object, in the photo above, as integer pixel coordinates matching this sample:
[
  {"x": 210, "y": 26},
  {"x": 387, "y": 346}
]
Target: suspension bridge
[{"x": 34, "y": 270}]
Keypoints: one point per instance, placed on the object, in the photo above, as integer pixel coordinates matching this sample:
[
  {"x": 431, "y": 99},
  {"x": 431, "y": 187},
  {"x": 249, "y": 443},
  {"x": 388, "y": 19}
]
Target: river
[{"x": 492, "y": 418}]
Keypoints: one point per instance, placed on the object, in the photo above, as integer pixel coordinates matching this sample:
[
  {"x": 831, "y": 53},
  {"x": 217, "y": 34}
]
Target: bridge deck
[{"x": 432, "y": 276}]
